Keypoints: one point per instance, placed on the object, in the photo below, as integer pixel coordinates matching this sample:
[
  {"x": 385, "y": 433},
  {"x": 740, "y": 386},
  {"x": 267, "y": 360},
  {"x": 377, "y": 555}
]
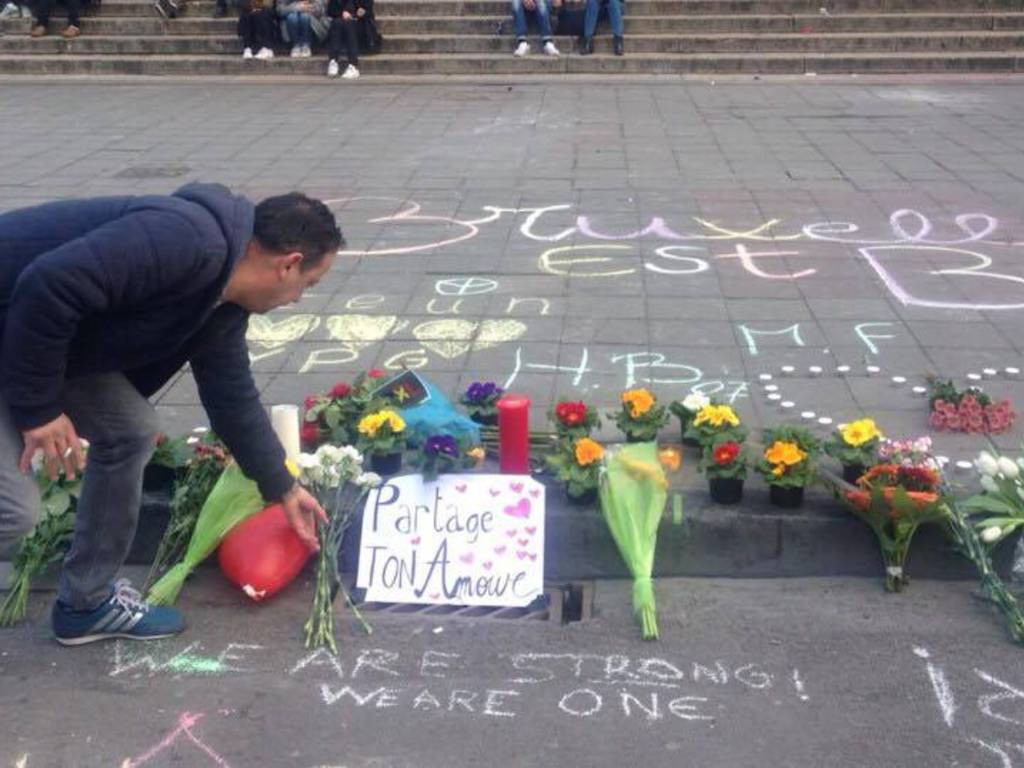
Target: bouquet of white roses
[{"x": 335, "y": 476}]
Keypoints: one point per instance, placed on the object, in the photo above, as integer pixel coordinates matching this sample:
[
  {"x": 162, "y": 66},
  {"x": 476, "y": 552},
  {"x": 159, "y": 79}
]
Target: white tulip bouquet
[{"x": 335, "y": 476}]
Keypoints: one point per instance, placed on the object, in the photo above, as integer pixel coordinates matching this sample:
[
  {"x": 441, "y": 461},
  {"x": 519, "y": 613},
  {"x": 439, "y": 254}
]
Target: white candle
[
  {"x": 808, "y": 415},
  {"x": 285, "y": 420},
  {"x": 771, "y": 388},
  {"x": 787, "y": 405},
  {"x": 920, "y": 391},
  {"x": 943, "y": 460},
  {"x": 974, "y": 376},
  {"x": 963, "y": 466},
  {"x": 765, "y": 377},
  {"x": 842, "y": 370},
  {"x": 201, "y": 430},
  {"x": 774, "y": 396},
  {"x": 899, "y": 380},
  {"x": 1012, "y": 372},
  {"x": 990, "y": 372},
  {"x": 788, "y": 370},
  {"x": 873, "y": 370},
  {"x": 815, "y": 370},
  {"x": 825, "y": 421}
]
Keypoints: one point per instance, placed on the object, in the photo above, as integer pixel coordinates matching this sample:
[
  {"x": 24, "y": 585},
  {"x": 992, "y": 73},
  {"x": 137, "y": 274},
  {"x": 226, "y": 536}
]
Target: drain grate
[
  {"x": 560, "y": 603},
  {"x": 152, "y": 172}
]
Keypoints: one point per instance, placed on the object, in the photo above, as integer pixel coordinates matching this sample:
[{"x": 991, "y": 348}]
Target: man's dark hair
[{"x": 294, "y": 222}]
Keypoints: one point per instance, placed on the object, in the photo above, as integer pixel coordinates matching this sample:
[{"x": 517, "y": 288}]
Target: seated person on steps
[
  {"x": 542, "y": 9},
  {"x": 256, "y": 19},
  {"x": 594, "y": 8},
  {"x": 353, "y": 27},
  {"x": 44, "y": 8},
  {"x": 301, "y": 20}
]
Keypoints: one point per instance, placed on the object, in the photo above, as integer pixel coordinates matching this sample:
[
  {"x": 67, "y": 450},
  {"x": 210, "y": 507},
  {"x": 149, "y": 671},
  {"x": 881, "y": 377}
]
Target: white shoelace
[{"x": 129, "y": 598}]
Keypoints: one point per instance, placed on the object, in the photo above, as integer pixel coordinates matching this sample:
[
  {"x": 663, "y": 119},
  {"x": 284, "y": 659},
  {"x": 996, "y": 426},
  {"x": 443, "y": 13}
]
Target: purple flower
[
  {"x": 482, "y": 391},
  {"x": 442, "y": 444}
]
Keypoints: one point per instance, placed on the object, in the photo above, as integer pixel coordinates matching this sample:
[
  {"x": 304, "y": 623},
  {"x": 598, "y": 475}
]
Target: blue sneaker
[{"x": 123, "y": 614}]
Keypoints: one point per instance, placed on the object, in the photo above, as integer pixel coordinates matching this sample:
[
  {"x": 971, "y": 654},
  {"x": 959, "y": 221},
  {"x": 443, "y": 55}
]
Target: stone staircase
[{"x": 473, "y": 37}]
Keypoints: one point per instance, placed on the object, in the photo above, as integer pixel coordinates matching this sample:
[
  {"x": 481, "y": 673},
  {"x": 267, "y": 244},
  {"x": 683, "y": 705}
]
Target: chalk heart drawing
[
  {"x": 520, "y": 509},
  {"x": 362, "y": 330},
  {"x": 453, "y": 337},
  {"x": 271, "y": 335}
]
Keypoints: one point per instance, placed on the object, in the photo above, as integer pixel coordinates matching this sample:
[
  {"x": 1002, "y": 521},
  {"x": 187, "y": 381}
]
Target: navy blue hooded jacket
[{"x": 134, "y": 284}]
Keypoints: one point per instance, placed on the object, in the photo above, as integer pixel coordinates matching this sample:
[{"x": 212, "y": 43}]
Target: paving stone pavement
[{"x": 574, "y": 240}]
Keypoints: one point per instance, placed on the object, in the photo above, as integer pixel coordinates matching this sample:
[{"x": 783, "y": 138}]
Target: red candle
[{"x": 514, "y": 434}]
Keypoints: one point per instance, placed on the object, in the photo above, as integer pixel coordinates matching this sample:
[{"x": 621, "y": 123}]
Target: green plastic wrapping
[
  {"x": 234, "y": 498},
  {"x": 633, "y": 491}
]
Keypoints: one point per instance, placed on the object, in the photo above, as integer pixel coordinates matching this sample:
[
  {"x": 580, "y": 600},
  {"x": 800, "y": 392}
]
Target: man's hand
[
  {"x": 60, "y": 446},
  {"x": 302, "y": 511}
]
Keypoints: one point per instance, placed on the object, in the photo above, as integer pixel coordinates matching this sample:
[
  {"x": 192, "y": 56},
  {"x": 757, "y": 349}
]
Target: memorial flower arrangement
[
  {"x": 382, "y": 435},
  {"x": 577, "y": 464},
  {"x": 481, "y": 402},
  {"x": 335, "y": 476},
  {"x": 687, "y": 409},
  {"x": 574, "y": 419},
  {"x": 204, "y": 468},
  {"x": 970, "y": 410},
  {"x": 713, "y": 422},
  {"x": 47, "y": 543},
  {"x": 640, "y": 416},
  {"x": 333, "y": 416},
  {"x": 895, "y": 498},
  {"x": 999, "y": 510},
  {"x": 855, "y": 446},
  {"x": 440, "y": 454}
]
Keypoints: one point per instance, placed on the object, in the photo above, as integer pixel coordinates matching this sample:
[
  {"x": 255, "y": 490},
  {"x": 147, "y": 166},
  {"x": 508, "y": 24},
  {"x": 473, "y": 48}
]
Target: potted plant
[
  {"x": 724, "y": 464},
  {"x": 574, "y": 419},
  {"x": 332, "y": 417},
  {"x": 169, "y": 459},
  {"x": 788, "y": 464},
  {"x": 382, "y": 436},
  {"x": 481, "y": 402},
  {"x": 442, "y": 454},
  {"x": 686, "y": 411},
  {"x": 897, "y": 497},
  {"x": 855, "y": 446},
  {"x": 713, "y": 422},
  {"x": 577, "y": 464},
  {"x": 640, "y": 417}
]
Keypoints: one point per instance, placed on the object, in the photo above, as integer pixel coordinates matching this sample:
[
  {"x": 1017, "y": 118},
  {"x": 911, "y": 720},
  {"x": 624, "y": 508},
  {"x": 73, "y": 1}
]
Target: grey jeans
[{"x": 121, "y": 426}]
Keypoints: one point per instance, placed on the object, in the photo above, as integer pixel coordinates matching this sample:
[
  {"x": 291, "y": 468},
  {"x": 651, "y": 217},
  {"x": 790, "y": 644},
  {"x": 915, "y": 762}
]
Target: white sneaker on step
[
  {"x": 332, "y": 68},
  {"x": 550, "y": 49},
  {"x": 264, "y": 54},
  {"x": 296, "y": 51},
  {"x": 522, "y": 49},
  {"x": 351, "y": 73},
  {"x": 10, "y": 11},
  {"x": 306, "y": 52},
  {"x": 247, "y": 53}
]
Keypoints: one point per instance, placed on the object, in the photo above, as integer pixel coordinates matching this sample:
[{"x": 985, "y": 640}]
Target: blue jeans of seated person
[
  {"x": 300, "y": 26},
  {"x": 543, "y": 12},
  {"x": 614, "y": 17}
]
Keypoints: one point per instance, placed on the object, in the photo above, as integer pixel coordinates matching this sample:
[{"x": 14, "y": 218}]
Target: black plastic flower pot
[
  {"x": 585, "y": 499},
  {"x": 157, "y": 478},
  {"x": 386, "y": 464},
  {"x": 638, "y": 439},
  {"x": 787, "y": 497},
  {"x": 486, "y": 421},
  {"x": 726, "y": 490},
  {"x": 690, "y": 442},
  {"x": 852, "y": 472}
]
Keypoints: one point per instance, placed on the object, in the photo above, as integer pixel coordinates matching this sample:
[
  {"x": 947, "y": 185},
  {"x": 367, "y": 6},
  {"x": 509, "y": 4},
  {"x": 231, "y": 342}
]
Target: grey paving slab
[{"x": 577, "y": 240}]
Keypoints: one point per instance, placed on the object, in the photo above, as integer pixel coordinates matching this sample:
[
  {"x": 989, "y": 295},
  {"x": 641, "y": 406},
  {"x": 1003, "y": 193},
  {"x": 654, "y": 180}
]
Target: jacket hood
[{"x": 235, "y": 215}]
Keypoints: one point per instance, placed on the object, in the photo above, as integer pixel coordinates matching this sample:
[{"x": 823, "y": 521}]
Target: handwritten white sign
[{"x": 460, "y": 540}]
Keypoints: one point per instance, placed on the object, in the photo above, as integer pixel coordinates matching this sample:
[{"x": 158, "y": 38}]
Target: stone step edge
[
  {"x": 985, "y": 34},
  {"x": 767, "y": 55}
]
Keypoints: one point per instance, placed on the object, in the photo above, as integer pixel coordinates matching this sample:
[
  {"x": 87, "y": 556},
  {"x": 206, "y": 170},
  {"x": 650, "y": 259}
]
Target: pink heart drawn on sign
[
  {"x": 467, "y": 558},
  {"x": 461, "y": 487},
  {"x": 520, "y": 509},
  {"x": 435, "y": 596},
  {"x": 533, "y": 558},
  {"x": 530, "y": 529},
  {"x": 522, "y": 555},
  {"x": 535, "y": 492},
  {"x": 512, "y": 532},
  {"x": 495, "y": 492},
  {"x": 487, "y": 565},
  {"x": 415, "y": 542},
  {"x": 516, "y": 487},
  {"x": 523, "y": 542},
  {"x": 500, "y": 550}
]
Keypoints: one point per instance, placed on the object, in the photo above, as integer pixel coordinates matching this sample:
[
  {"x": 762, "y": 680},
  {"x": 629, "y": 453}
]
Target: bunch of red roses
[{"x": 972, "y": 415}]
